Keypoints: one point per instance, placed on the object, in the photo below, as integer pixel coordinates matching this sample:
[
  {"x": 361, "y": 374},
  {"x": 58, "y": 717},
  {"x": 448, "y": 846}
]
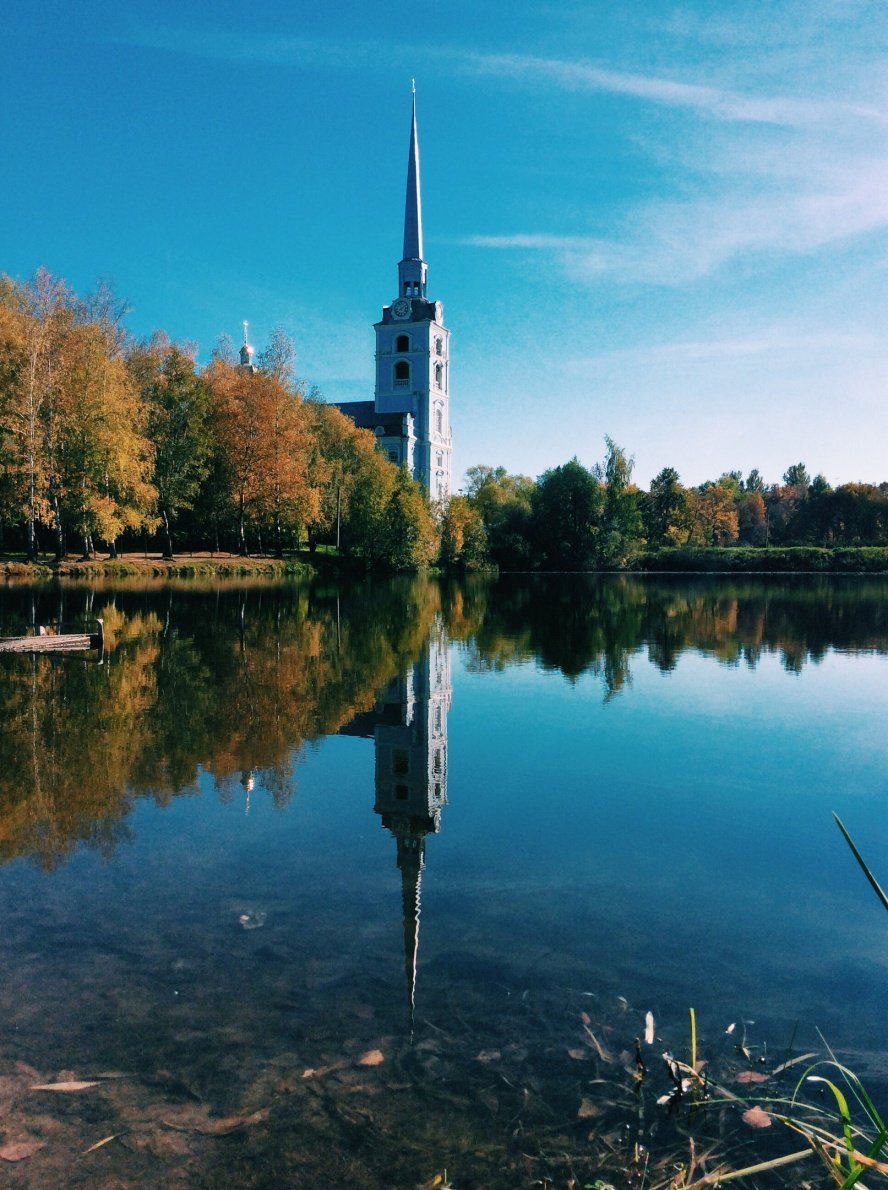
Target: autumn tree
[
  {"x": 103, "y": 456},
  {"x": 463, "y": 539},
  {"x": 178, "y": 409}
]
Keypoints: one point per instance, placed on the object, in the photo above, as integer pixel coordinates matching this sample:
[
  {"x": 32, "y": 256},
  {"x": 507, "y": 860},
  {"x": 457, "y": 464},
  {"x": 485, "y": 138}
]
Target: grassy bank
[
  {"x": 154, "y": 565},
  {"x": 802, "y": 559}
]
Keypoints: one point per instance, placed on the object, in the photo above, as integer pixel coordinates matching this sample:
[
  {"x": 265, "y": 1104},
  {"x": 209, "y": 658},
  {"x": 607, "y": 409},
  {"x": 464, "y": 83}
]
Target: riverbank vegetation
[{"x": 578, "y": 518}]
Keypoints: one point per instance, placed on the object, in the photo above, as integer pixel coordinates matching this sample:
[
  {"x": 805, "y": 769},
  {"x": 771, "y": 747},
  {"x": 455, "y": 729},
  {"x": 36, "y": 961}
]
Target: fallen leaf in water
[
  {"x": 601, "y": 1051},
  {"x": 484, "y": 1056},
  {"x": 437, "y": 1180},
  {"x": 20, "y": 1150},
  {"x": 793, "y": 1062},
  {"x": 371, "y": 1058},
  {"x": 578, "y": 1055},
  {"x": 207, "y": 1126},
  {"x": 756, "y": 1118},
  {"x": 585, "y": 1018},
  {"x": 63, "y": 1087},
  {"x": 649, "y": 1028},
  {"x": 667, "y": 1098},
  {"x": 587, "y": 1110},
  {"x": 751, "y": 1076},
  {"x": 100, "y": 1144},
  {"x": 731, "y": 1028}
]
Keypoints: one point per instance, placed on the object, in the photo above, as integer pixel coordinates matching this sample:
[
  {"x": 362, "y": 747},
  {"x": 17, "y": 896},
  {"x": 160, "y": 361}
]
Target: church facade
[{"x": 410, "y": 411}]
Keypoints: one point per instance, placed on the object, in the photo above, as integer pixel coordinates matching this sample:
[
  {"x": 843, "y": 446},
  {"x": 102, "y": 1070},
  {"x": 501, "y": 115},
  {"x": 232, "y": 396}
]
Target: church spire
[
  {"x": 412, "y": 268},
  {"x": 246, "y": 351}
]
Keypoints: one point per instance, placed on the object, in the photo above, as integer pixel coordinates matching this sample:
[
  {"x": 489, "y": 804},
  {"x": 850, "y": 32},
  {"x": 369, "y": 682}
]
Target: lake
[{"x": 354, "y": 886}]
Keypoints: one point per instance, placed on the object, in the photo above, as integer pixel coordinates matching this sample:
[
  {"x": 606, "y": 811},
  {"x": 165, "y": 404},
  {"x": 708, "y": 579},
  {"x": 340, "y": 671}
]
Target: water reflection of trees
[
  {"x": 590, "y": 624},
  {"x": 235, "y": 681},
  {"x": 229, "y": 682}
]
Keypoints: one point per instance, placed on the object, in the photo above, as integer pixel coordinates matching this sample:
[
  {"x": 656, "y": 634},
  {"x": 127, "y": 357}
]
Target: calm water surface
[{"x": 279, "y": 829}]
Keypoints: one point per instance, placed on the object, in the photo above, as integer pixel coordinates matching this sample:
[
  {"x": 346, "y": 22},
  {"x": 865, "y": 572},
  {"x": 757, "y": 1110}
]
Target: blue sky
[{"x": 665, "y": 223}]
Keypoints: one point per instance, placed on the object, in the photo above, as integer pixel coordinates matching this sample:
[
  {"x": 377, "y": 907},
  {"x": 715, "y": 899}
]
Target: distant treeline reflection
[{"x": 235, "y": 681}]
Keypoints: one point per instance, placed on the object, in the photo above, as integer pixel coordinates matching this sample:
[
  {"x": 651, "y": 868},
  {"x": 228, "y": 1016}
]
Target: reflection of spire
[
  {"x": 248, "y": 781},
  {"x": 409, "y": 730},
  {"x": 411, "y": 860}
]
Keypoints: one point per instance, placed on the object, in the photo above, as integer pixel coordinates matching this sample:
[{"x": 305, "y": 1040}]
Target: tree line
[
  {"x": 105, "y": 440},
  {"x": 577, "y": 518}
]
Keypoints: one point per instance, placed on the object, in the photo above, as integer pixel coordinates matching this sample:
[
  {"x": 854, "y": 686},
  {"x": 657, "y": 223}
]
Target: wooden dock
[{"x": 47, "y": 640}]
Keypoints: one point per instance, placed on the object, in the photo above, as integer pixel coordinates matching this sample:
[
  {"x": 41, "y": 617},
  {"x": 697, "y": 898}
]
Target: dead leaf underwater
[
  {"x": 20, "y": 1150},
  {"x": 755, "y": 1117}
]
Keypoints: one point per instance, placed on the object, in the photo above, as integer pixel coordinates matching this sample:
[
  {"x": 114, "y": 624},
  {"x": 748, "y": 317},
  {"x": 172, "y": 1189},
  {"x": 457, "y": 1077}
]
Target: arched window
[
  {"x": 402, "y": 343},
  {"x": 439, "y": 347},
  {"x": 402, "y": 372},
  {"x": 439, "y": 374},
  {"x": 439, "y": 421}
]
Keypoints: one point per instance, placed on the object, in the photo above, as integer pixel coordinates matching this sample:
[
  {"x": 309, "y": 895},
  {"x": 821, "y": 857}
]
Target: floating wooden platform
[{"x": 47, "y": 640}]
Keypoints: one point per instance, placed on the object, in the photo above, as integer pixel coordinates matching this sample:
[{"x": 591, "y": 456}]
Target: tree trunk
[
  {"x": 32, "y": 540},
  {"x": 59, "y": 531},
  {"x": 278, "y": 540},
  {"x": 241, "y": 530},
  {"x": 112, "y": 547},
  {"x": 168, "y": 552}
]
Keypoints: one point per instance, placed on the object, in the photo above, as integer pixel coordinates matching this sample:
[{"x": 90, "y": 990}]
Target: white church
[{"x": 410, "y": 413}]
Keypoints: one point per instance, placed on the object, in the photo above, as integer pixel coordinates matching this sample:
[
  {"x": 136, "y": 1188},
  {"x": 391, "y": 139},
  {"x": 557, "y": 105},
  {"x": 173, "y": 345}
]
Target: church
[{"x": 410, "y": 412}]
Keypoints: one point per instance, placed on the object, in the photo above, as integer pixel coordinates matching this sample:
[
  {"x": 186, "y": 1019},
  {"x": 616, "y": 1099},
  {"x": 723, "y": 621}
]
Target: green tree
[
  {"x": 567, "y": 502},
  {"x": 797, "y": 476},
  {"x": 621, "y": 520},
  {"x": 665, "y": 508}
]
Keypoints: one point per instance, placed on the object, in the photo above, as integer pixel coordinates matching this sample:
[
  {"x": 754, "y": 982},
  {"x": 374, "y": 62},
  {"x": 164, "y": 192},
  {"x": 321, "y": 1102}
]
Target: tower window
[
  {"x": 439, "y": 373},
  {"x": 400, "y": 763},
  {"x": 437, "y": 761},
  {"x": 401, "y": 793},
  {"x": 402, "y": 343},
  {"x": 439, "y": 421},
  {"x": 439, "y": 347},
  {"x": 402, "y": 372},
  {"x": 393, "y": 456}
]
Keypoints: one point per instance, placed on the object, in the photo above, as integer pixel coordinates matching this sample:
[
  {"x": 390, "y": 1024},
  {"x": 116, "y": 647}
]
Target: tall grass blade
[
  {"x": 880, "y": 892},
  {"x": 693, "y": 1040}
]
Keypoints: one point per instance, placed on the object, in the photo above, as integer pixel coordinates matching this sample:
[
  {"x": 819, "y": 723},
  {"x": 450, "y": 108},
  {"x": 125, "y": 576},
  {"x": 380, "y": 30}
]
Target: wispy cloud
[{"x": 704, "y": 99}]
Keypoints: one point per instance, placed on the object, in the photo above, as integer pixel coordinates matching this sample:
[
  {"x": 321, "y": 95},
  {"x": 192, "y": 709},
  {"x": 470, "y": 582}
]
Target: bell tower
[{"x": 413, "y": 351}]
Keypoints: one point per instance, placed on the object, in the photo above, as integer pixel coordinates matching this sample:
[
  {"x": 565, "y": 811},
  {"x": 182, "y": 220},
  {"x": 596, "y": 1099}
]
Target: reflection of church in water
[{"x": 409, "y": 730}]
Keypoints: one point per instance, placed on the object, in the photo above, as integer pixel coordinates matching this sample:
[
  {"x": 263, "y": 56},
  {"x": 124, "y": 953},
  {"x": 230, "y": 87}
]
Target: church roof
[
  {"x": 364, "y": 415},
  {"x": 413, "y": 205}
]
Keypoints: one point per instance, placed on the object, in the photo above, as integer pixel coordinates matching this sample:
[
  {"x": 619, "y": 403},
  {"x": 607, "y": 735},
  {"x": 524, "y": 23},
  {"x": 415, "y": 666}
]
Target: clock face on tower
[{"x": 401, "y": 308}]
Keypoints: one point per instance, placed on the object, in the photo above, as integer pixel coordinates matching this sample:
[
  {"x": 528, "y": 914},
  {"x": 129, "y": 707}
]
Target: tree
[
  {"x": 567, "y": 506},
  {"x": 797, "y": 476},
  {"x": 755, "y": 482},
  {"x": 621, "y": 522},
  {"x": 103, "y": 457},
  {"x": 665, "y": 509},
  {"x": 751, "y": 518},
  {"x": 712, "y": 515},
  {"x": 178, "y": 406},
  {"x": 504, "y": 503},
  {"x": 463, "y": 538}
]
